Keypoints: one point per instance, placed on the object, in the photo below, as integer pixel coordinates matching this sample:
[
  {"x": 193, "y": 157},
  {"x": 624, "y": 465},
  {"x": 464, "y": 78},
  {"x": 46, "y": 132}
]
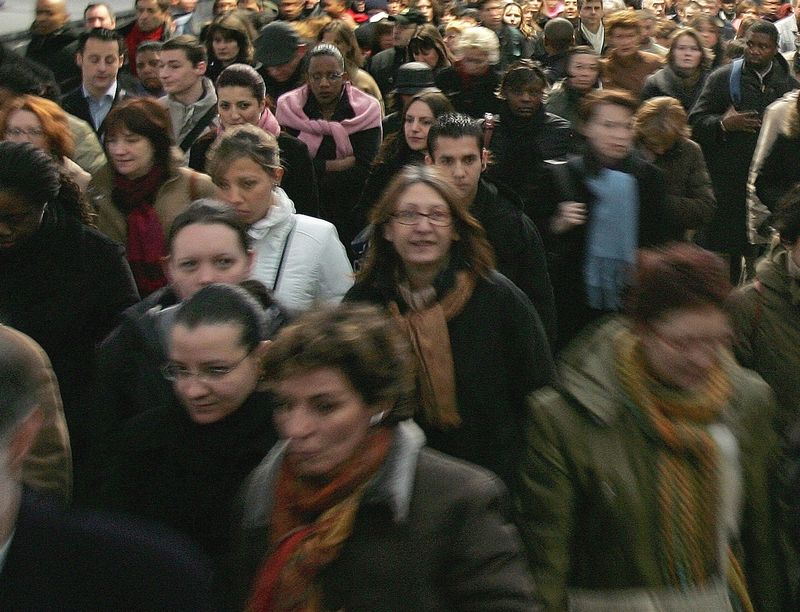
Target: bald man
[{"x": 53, "y": 42}]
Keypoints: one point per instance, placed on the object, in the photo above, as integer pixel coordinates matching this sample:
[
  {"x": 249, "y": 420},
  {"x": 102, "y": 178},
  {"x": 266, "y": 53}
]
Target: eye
[
  {"x": 217, "y": 371},
  {"x": 187, "y": 265},
  {"x": 224, "y": 262},
  {"x": 324, "y": 407},
  {"x": 224, "y": 106}
]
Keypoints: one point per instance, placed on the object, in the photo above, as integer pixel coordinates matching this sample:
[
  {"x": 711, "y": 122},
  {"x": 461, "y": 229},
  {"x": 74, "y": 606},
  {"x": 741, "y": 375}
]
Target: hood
[
  {"x": 282, "y": 208},
  {"x": 773, "y": 273}
]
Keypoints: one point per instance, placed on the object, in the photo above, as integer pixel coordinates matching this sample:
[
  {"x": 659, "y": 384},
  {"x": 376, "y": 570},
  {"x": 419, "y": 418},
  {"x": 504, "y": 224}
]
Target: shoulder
[
  {"x": 466, "y": 482},
  {"x": 556, "y": 122},
  {"x": 316, "y": 229}
]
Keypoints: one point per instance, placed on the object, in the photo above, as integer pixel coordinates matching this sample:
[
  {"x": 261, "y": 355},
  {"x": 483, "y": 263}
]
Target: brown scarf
[
  {"x": 426, "y": 328},
  {"x": 308, "y": 526},
  {"x": 688, "y": 463}
]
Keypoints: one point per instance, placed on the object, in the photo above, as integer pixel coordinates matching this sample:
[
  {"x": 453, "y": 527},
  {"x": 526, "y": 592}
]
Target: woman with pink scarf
[
  {"x": 242, "y": 100},
  {"x": 342, "y": 128}
]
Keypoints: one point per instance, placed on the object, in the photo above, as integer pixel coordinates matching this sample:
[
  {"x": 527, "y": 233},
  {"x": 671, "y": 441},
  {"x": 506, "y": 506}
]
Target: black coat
[
  {"x": 383, "y": 68},
  {"x": 66, "y": 288},
  {"x": 728, "y": 154},
  {"x": 567, "y": 182},
  {"x": 173, "y": 471},
  {"x": 664, "y": 82},
  {"x": 62, "y": 561},
  {"x": 299, "y": 179},
  {"x": 497, "y": 321},
  {"x": 75, "y": 104},
  {"x": 472, "y": 96},
  {"x": 56, "y": 52}
]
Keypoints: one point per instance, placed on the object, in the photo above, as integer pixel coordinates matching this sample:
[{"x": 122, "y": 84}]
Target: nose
[
  {"x": 231, "y": 195},
  {"x": 458, "y": 170},
  {"x": 296, "y": 423},
  {"x": 193, "y": 388},
  {"x": 206, "y": 274}
]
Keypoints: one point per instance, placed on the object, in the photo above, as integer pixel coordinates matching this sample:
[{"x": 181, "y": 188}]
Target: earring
[{"x": 375, "y": 419}]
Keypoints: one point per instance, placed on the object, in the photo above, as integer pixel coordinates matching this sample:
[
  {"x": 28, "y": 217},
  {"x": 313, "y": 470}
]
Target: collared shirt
[
  {"x": 100, "y": 107},
  {"x": 596, "y": 39}
]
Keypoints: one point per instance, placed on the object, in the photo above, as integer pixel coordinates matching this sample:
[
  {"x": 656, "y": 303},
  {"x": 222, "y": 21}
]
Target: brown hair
[
  {"x": 598, "y": 97},
  {"x": 353, "y": 58},
  {"x": 246, "y": 141},
  {"x": 472, "y": 249},
  {"x": 622, "y": 19},
  {"x": 360, "y": 341},
  {"x": 54, "y": 122},
  {"x": 705, "y": 61},
  {"x": 426, "y": 37},
  {"x": 677, "y": 276},
  {"x": 233, "y": 26},
  {"x": 145, "y": 117},
  {"x": 661, "y": 121}
]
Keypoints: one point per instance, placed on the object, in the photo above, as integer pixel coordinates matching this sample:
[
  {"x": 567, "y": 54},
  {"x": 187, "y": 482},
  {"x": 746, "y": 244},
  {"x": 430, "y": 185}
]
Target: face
[
  {"x": 686, "y": 55},
  {"x": 225, "y": 49},
  {"x": 18, "y": 220},
  {"x": 427, "y": 56},
  {"x": 708, "y": 35},
  {"x": 422, "y": 247},
  {"x": 249, "y": 5},
  {"x": 491, "y": 14},
  {"x": 683, "y": 346},
  {"x": 591, "y": 13},
  {"x": 217, "y": 372},
  {"x": 326, "y": 79},
  {"x": 475, "y": 62},
  {"x": 386, "y": 41},
  {"x": 99, "y": 63},
  {"x": 393, "y": 7},
  {"x": 610, "y": 132},
  {"x": 333, "y": 8},
  {"x": 291, "y": 9},
  {"x": 50, "y": 16},
  {"x": 203, "y": 254},
  {"x": 659, "y": 8},
  {"x": 187, "y": 6},
  {"x": 284, "y": 72},
  {"x": 462, "y": 161},
  {"x": 149, "y": 16},
  {"x": 24, "y": 126},
  {"x": 625, "y": 41},
  {"x": 403, "y": 34},
  {"x": 760, "y": 50},
  {"x": 512, "y": 15},
  {"x": 419, "y": 119},
  {"x": 769, "y": 8},
  {"x": 99, "y": 17},
  {"x": 451, "y": 39},
  {"x": 131, "y": 154},
  {"x": 570, "y": 9},
  {"x": 426, "y": 8},
  {"x": 147, "y": 66},
  {"x": 332, "y": 38},
  {"x": 709, "y": 7},
  {"x": 524, "y": 101},
  {"x": 177, "y": 73},
  {"x": 323, "y": 418},
  {"x": 583, "y": 72},
  {"x": 224, "y": 6},
  {"x": 238, "y": 106},
  {"x": 248, "y": 188}
]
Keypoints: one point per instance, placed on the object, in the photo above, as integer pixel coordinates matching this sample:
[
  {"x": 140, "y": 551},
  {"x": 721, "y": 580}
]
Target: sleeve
[
  {"x": 777, "y": 174},
  {"x": 742, "y": 312},
  {"x": 335, "y": 273},
  {"x": 707, "y": 111},
  {"x": 697, "y": 206},
  {"x": 115, "y": 288},
  {"x": 302, "y": 179},
  {"x": 650, "y": 89},
  {"x": 545, "y": 499},
  {"x": 487, "y": 570}
]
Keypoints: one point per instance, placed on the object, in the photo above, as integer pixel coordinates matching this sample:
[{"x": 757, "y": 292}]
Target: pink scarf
[
  {"x": 266, "y": 122},
  {"x": 290, "y": 114}
]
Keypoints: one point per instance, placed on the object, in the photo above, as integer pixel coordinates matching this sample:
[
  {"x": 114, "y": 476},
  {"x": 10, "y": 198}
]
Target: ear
[
  {"x": 262, "y": 348},
  {"x": 165, "y": 266},
  {"x": 277, "y": 174},
  {"x": 429, "y": 159},
  {"x": 22, "y": 439},
  {"x": 79, "y": 60},
  {"x": 201, "y": 68}
]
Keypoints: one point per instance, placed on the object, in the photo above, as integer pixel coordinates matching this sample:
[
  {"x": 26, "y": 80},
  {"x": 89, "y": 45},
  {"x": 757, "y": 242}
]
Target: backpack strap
[
  {"x": 201, "y": 125},
  {"x": 735, "y": 81},
  {"x": 489, "y": 121}
]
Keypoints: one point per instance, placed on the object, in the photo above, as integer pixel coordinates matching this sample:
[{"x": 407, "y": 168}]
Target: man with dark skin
[
  {"x": 726, "y": 120},
  {"x": 53, "y": 42}
]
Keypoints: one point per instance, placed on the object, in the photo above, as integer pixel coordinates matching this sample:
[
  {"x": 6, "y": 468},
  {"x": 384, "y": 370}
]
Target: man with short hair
[
  {"x": 151, "y": 23},
  {"x": 191, "y": 99},
  {"x": 383, "y": 66},
  {"x": 281, "y": 51},
  {"x": 183, "y": 17},
  {"x": 626, "y": 66},
  {"x": 590, "y": 31},
  {"x": 512, "y": 43},
  {"x": 583, "y": 74},
  {"x": 788, "y": 29},
  {"x": 455, "y": 146},
  {"x": 647, "y": 19},
  {"x": 658, "y": 7},
  {"x": 99, "y": 15},
  {"x": 551, "y": 52},
  {"x": 99, "y": 57},
  {"x": 148, "y": 65},
  {"x": 337, "y": 10},
  {"x": 51, "y": 558},
  {"x": 52, "y": 42}
]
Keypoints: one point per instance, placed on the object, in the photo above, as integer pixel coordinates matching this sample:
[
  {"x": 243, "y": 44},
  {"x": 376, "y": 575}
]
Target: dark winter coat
[
  {"x": 498, "y": 320},
  {"x": 56, "y": 52},
  {"x": 665, "y": 82},
  {"x": 728, "y": 154},
  {"x": 473, "y": 96},
  {"x": 431, "y": 534},
  {"x": 383, "y": 68}
]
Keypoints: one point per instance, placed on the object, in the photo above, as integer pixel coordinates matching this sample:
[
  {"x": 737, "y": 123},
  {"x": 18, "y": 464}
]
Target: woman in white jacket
[{"x": 299, "y": 258}]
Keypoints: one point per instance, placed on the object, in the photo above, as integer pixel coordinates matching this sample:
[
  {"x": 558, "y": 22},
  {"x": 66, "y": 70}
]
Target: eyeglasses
[
  {"x": 174, "y": 372},
  {"x": 31, "y": 133},
  {"x": 687, "y": 343},
  {"x": 439, "y": 218},
  {"x": 331, "y": 77}
]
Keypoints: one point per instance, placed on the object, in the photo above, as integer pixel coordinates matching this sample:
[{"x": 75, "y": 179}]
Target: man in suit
[
  {"x": 99, "y": 56},
  {"x": 53, "y": 559}
]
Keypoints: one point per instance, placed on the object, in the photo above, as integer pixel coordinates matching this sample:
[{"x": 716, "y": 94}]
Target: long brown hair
[{"x": 471, "y": 249}]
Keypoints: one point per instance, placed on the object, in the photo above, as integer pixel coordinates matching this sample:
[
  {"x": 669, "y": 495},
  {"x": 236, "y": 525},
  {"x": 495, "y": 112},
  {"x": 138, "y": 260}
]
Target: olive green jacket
[{"x": 587, "y": 507}]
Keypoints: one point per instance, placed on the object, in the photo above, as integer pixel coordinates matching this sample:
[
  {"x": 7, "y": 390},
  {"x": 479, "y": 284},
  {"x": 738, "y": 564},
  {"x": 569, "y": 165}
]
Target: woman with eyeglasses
[
  {"x": 182, "y": 464},
  {"x": 479, "y": 344},
  {"x": 341, "y": 126}
]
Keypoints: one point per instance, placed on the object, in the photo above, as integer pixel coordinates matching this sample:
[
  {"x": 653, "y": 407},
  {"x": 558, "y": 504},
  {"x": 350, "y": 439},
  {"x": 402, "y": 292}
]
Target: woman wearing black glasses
[
  {"x": 479, "y": 344},
  {"x": 342, "y": 128},
  {"x": 181, "y": 465}
]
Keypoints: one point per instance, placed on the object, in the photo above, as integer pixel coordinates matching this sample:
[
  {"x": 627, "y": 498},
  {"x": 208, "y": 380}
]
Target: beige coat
[{"x": 175, "y": 195}]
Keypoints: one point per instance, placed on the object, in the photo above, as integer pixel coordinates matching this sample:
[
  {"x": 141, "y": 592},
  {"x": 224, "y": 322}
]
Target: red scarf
[
  {"x": 146, "y": 245},
  {"x": 135, "y": 37},
  {"x": 309, "y": 525}
]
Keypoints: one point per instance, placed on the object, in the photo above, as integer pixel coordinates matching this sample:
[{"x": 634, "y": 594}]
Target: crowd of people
[{"x": 402, "y": 305}]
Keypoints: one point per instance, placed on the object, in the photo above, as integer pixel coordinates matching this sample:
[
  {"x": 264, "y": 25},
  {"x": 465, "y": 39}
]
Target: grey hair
[{"x": 481, "y": 38}]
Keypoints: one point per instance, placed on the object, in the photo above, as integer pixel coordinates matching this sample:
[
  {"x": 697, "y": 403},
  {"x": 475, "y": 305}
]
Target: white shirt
[{"x": 100, "y": 107}]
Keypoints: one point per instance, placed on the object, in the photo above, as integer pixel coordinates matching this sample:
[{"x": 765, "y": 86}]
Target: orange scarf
[{"x": 308, "y": 526}]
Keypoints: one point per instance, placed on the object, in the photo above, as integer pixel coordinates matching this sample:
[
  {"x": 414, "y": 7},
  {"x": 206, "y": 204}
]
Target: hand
[
  {"x": 568, "y": 215},
  {"x": 734, "y": 121},
  {"x": 340, "y": 165}
]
